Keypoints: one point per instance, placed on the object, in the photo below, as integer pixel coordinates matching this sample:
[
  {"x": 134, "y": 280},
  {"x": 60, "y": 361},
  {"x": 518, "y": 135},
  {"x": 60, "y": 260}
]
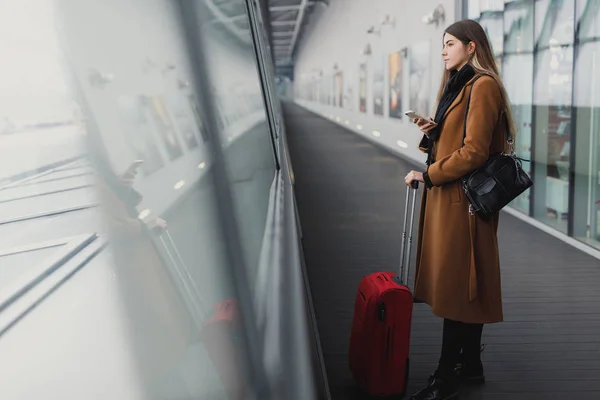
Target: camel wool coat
[{"x": 458, "y": 267}]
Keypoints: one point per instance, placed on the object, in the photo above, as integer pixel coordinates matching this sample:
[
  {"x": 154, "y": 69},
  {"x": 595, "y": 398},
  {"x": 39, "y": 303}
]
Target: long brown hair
[{"x": 482, "y": 60}]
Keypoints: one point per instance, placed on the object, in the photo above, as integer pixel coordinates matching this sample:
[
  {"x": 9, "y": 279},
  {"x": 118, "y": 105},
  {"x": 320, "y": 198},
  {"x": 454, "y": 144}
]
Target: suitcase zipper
[{"x": 387, "y": 344}]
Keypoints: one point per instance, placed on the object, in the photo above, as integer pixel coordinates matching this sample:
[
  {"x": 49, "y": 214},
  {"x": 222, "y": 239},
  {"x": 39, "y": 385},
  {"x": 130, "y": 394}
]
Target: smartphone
[
  {"x": 133, "y": 167},
  {"x": 413, "y": 115}
]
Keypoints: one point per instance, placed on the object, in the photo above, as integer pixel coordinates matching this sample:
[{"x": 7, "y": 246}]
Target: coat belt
[{"x": 472, "y": 263}]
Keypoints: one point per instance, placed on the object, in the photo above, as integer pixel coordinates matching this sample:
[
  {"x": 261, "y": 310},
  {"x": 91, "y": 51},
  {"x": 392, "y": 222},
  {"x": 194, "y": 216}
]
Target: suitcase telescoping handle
[
  {"x": 192, "y": 294},
  {"x": 405, "y": 251}
]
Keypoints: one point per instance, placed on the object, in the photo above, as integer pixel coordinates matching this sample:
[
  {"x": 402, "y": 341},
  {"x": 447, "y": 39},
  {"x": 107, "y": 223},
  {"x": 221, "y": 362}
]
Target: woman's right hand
[
  {"x": 156, "y": 224},
  {"x": 425, "y": 125}
]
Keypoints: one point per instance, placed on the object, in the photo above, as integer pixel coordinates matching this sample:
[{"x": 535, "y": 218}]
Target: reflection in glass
[
  {"x": 138, "y": 131},
  {"x": 517, "y": 74},
  {"x": 491, "y": 5},
  {"x": 588, "y": 17},
  {"x": 473, "y": 9},
  {"x": 246, "y": 135},
  {"x": 101, "y": 136},
  {"x": 552, "y": 99},
  {"x": 518, "y": 27},
  {"x": 164, "y": 125},
  {"x": 586, "y": 224},
  {"x": 198, "y": 118},
  {"x": 16, "y": 263},
  {"x": 551, "y": 104},
  {"x": 492, "y": 25},
  {"x": 518, "y": 80},
  {"x": 554, "y": 22}
]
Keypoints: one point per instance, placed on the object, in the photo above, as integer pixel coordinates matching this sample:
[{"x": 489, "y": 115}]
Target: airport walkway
[{"x": 350, "y": 197}]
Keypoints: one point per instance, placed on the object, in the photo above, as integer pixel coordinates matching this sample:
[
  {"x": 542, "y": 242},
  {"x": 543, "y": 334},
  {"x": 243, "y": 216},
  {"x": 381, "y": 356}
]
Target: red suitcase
[
  {"x": 380, "y": 336},
  {"x": 220, "y": 327},
  {"x": 220, "y": 337}
]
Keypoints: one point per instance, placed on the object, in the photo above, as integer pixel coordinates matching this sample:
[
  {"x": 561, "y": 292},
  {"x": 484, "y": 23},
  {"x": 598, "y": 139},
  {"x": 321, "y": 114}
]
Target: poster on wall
[
  {"x": 198, "y": 117},
  {"x": 349, "y": 100},
  {"x": 395, "y": 85},
  {"x": 183, "y": 120},
  {"x": 318, "y": 90},
  {"x": 362, "y": 88},
  {"x": 332, "y": 100},
  {"x": 340, "y": 88},
  {"x": 138, "y": 133},
  {"x": 220, "y": 109},
  {"x": 378, "y": 85},
  {"x": 165, "y": 128},
  {"x": 420, "y": 77}
]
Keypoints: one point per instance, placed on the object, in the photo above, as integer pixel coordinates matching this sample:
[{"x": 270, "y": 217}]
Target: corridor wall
[{"x": 363, "y": 64}]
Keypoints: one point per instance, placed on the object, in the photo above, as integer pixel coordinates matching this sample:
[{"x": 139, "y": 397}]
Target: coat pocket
[{"x": 455, "y": 192}]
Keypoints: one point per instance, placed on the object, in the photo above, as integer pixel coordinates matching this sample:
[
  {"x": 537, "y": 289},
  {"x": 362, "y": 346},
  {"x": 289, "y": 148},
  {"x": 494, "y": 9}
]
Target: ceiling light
[{"x": 179, "y": 185}]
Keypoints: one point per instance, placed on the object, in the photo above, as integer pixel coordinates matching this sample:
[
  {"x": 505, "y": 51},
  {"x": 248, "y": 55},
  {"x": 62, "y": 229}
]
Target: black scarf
[
  {"x": 457, "y": 81},
  {"x": 127, "y": 194}
]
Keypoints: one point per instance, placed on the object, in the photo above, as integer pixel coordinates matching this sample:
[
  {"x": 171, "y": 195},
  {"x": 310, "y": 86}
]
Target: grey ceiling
[{"x": 287, "y": 19}]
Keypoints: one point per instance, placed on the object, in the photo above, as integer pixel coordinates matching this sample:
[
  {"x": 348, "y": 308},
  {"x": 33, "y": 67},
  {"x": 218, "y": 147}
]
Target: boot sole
[
  {"x": 453, "y": 396},
  {"x": 480, "y": 380}
]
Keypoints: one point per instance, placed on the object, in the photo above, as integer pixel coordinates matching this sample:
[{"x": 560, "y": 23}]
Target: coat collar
[{"x": 461, "y": 95}]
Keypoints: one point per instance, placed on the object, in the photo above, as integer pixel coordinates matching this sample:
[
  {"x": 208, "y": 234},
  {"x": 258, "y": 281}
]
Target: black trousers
[{"x": 461, "y": 343}]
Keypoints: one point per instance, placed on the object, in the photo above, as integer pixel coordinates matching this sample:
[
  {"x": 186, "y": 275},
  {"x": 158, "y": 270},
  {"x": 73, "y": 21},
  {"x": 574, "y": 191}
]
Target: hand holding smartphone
[
  {"x": 131, "y": 171},
  {"x": 425, "y": 124},
  {"x": 414, "y": 115}
]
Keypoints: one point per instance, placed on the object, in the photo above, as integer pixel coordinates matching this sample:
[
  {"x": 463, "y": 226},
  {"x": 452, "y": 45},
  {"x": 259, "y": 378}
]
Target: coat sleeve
[
  {"x": 121, "y": 225},
  {"x": 484, "y": 112}
]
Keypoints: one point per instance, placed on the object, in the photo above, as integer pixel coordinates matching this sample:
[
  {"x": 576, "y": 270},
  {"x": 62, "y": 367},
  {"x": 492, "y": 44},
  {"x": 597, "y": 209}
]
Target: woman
[
  {"x": 458, "y": 271},
  {"x": 160, "y": 326}
]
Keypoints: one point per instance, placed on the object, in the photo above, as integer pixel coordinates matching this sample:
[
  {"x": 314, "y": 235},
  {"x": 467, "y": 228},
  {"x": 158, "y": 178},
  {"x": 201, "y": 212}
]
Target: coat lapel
[{"x": 460, "y": 96}]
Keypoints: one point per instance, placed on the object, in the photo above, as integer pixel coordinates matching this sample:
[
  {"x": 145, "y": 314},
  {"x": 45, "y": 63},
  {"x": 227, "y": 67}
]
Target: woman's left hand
[{"x": 413, "y": 176}]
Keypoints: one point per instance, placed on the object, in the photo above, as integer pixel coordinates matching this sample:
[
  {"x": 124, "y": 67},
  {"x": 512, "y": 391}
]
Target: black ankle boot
[
  {"x": 470, "y": 371},
  {"x": 438, "y": 388}
]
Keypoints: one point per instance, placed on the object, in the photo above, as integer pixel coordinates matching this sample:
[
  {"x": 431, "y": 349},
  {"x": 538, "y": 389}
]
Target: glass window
[
  {"x": 518, "y": 27},
  {"x": 586, "y": 219},
  {"x": 491, "y": 5},
  {"x": 492, "y": 23},
  {"x": 103, "y": 133},
  {"x": 552, "y": 99},
  {"x": 247, "y": 140},
  {"x": 541, "y": 10},
  {"x": 555, "y": 22},
  {"x": 473, "y": 9},
  {"x": 588, "y": 18},
  {"x": 518, "y": 80},
  {"x": 19, "y": 263},
  {"x": 549, "y": 52}
]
